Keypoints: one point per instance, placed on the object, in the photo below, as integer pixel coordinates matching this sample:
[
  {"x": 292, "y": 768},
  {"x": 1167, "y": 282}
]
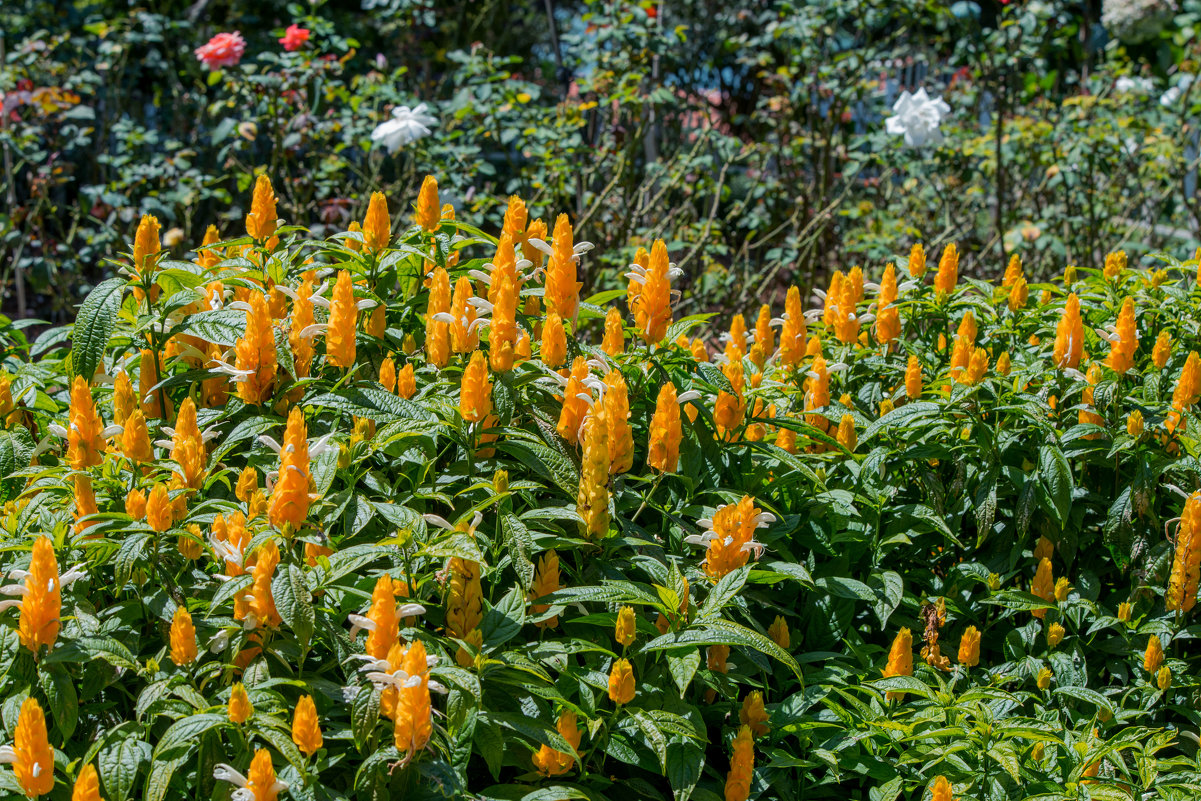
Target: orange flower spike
[
  {"x": 306, "y": 730},
  {"x": 625, "y": 631},
  {"x": 1153, "y": 655},
  {"x": 546, "y": 581},
  {"x": 475, "y": 392},
  {"x": 263, "y": 604},
  {"x": 663, "y": 450},
  {"x": 969, "y": 647},
  {"x": 730, "y": 540},
  {"x": 917, "y": 261},
  {"x": 135, "y": 439},
  {"x": 817, "y": 392},
  {"x": 1186, "y": 561},
  {"x": 1115, "y": 264},
  {"x": 85, "y": 430},
  {"x": 290, "y": 495},
  {"x": 742, "y": 766},
  {"x": 1122, "y": 349},
  {"x": 343, "y": 316},
  {"x": 208, "y": 257},
  {"x": 754, "y": 714},
  {"x": 1069, "y": 336},
  {"x": 406, "y": 382},
  {"x": 653, "y": 312},
  {"x": 437, "y": 332},
  {"x": 259, "y": 783},
  {"x": 830, "y": 309},
  {"x": 948, "y": 270},
  {"x": 642, "y": 261},
  {"x": 765, "y": 339},
  {"x": 502, "y": 334},
  {"x": 387, "y": 374},
  {"x": 413, "y": 724},
  {"x": 135, "y": 504},
  {"x": 124, "y": 398},
  {"x": 31, "y": 756},
  {"x": 913, "y": 379},
  {"x": 429, "y": 212},
  {"x": 592, "y": 502},
  {"x": 847, "y": 437},
  {"x": 888, "y": 319},
  {"x": 150, "y": 373},
  {"x": 900, "y": 659},
  {"x": 504, "y": 267},
  {"x": 729, "y": 410},
  {"x": 554, "y": 341},
  {"x": 736, "y": 343},
  {"x": 377, "y": 225},
  {"x": 535, "y": 230},
  {"x": 261, "y": 221},
  {"x": 562, "y": 291},
  {"x": 187, "y": 446},
  {"x": 87, "y": 785},
  {"x": 1043, "y": 586},
  {"x": 183, "y": 638},
  {"x": 614, "y": 342},
  {"x": 383, "y": 631},
  {"x": 463, "y": 335},
  {"x": 255, "y": 353},
  {"x": 549, "y": 762},
  {"x": 940, "y": 789},
  {"x": 1162, "y": 350},
  {"x": 617, "y": 416},
  {"x": 1019, "y": 293},
  {"x": 158, "y": 508},
  {"x": 85, "y": 501}
]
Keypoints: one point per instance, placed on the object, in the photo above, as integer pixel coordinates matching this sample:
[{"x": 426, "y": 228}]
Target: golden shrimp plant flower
[
  {"x": 900, "y": 659},
  {"x": 653, "y": 311},
  {"x": 262, "y": 220},
  {"x": 290, "y": 495},
  {"x": 1186, "y": 560},
  {"x": 428, "y": 214},
  {"x": 259, "y": 783},
  {"x": 969, "y": 647},
  {"x": 729, "y": 537},
  {"x": 377, "y": 225},
  {"x": 39, "y": 591},
  {"x": 475, "y": 391},
  {"x": 182, "y": 638},
  {"x": 621, "y": 682},
  {"x": 625, "y": 630},
  {"x": 30, "y": 754},
  {"x": 562, "y": 290},
  {"x": 546, "y": 581},
  {"x": 663, "y": 448},
  {"x": 742, "y": 766},
  {"x": 592, "y": 502},
  {"x": 306, "y": 727},
  {"x": 948, "y": 270},
  {"x": 550, "y": 762},
  {"x": 1069, "y": 336}
]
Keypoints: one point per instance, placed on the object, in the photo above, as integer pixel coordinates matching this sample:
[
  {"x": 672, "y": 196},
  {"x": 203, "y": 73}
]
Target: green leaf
[
  {"x": 520, "y": 545},
  {"x": 159, "y": 780},
  {"x": 293, "y": 600},
  {"x": 373, "y": 403},
  {"x": 1056, "y": 476},
  {"x": 87, "y": 649},
  {"x": 724, "y": 632},
  {"x": 364, "y": 714},
  {"x": 896, "y": 684},
  {"x": 60, "y": 691},
  {"x": 722, "y": 593},
  {"x": 94, "y": 326},
  {"x": 186, "y": 732},
  {"x": 683, "y": 665},
  {"x": 118, "y": 765}
]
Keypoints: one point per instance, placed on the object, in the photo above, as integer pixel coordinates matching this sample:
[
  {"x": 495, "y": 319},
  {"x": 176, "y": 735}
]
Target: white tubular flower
[{"x": 406, "y": 126}]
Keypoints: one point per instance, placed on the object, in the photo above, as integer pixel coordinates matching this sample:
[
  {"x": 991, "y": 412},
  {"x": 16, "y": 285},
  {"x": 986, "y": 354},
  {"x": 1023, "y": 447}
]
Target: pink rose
[
  {"x": 294, "y": 38},
  {"x": 223, "y": 50}
]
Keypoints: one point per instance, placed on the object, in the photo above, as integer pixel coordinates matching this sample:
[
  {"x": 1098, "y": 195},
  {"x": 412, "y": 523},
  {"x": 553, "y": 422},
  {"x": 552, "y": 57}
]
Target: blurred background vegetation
[{"x": 750, "y": 135}]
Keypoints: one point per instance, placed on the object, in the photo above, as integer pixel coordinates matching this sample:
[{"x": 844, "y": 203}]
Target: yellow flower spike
[
  {"x": 1043, "y": 586},
  {"x": 1121, "y": 351},
  {"x": 343, "y": 317},
  {"x": 207, "y": 256},
  {"x": 1069, "y": 336},
  {"x": 262, "y": 604},
  {"x": 437, "y": 333},
  {"x": 290, "y": 495},
  {"x": 621, "y": 682},
  {"x": 146, "y": 245},
  {"x": 1019, "y": 294},
  {"x": 1115, "y": 264},
  {"x": 1162, "y": 350},
  {"x": 913, "y": 379},
  {"x": 183, "y": 638},
  {"x": 1013, "y": 271},
  {"x": 158, "y": 508},
  {"x": 1004, "y": 364},
  {"x": 562, "y": 291},
  {"x": 1069, "y": 276},
  {"x": 940, "y": 789},
  {"x": 969, "y": 647},
  {"x": 260, "y": 782},
  {"x": 32, "y": 757},
  {"x": 85, "y": 501},
  {"x": 1163, "y": 678},
  {"x": 888, "y": 319},
  {"x": 135, "y": 439},
  {"x": 700, "y": 351},
  {"x": 85, "y": 430},
  {"x": 504, "y": 267},
  {"x": 550, "y": 762},
  {"x": 663, "y": 448},
  {"x": 732, "y": 537},
  {"x": 1134, "y": 424},
  {"x": 1153, "y": 655},
  {"x": 1186, "y": 562},
  {"x": 1055, "y": 634},
  {"x": 535, "y": 230},
  {"x": 817, "y": 393},
  {"x": 377, "y": 321},
  {"x": 617, "y": 416},
  {"x": 387, "y": 374},
  {"x": 429, "y": 212},
  {"x": 384, "y": 631},
  {"x": 475, "y": 393},
  {"x": 1187, "y": 391},
  {"x": 124, "y": 398},
  {"x": 261, "y": 222},
  {"x": 642, "y": 260},
  {"x": 917, "y": 261},
  {"x": 765, "y": 338},
  {"x": 406, "y": 382},
  {"x": 191, "y": 547},
  {"x": 41, "y": 602},
  {"x": 546, "y": 581},
  {"x": 575, "y": 407},
  {"x": 948, "y": 270},
  {"x": 742, "y": 766},
  {"x": 652, "y": 314},
  {"x": 301, "y": 318},
  {"x": 306, "y": 730},
  {"x": 463, "y": 336},
  {"x": 778, "y": 632},
  {"x": 240, "y": 708},
  {"x": 592, "y": 502},
  {"x": 135, "y": 504},
  {"x": 377, "y": 225},
  {"x": 729, "y": 410},
  {"x": 614, "y": 342},
  {"x": 626, "y": 628},
  {"x": 255, "y": 354},
  {"x": 1043, "y": 679},
  {"x": 413, "y": 719},
  {"x": 248, "y": 482},
  {"x": 1062, "y": 588},
  {"x": 754, "y": 714},
  {"x": 87, "y": 785},
  {"x": 464, "y": 605},
  {"x": 1044, "y": 548},
  {"x": 792, "y": 334},
  {"x": 502, "y": 333},
  {"x": 1124, "y": 611},
  {"x": 554, "y": 341},
  {"x": 847, "y": 437},
  {"x": 187, "y": 447},
  {"x": 900, "y": 659},
  {"x": 515, "y": 219}
]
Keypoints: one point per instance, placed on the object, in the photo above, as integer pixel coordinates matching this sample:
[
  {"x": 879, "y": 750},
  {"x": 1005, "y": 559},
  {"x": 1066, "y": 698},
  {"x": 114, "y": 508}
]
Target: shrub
[{"x": 375, "y": 516}]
